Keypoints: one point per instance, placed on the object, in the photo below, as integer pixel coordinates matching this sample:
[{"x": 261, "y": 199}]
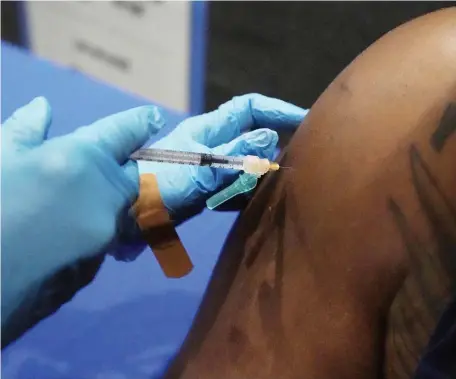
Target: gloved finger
[
  {"x": 29, "y": 125},
  {"x": 260, "y": 142},
  {"x": 239, "y": 115},
  {"x": 119, "y": 135},
  {"x": 130, "y": 169}
]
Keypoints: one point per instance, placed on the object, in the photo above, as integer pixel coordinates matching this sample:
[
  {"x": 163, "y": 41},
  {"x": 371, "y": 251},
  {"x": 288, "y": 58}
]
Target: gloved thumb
[
  {"x": 28, "y": 126},
  {"x": 120, "y": 134}
]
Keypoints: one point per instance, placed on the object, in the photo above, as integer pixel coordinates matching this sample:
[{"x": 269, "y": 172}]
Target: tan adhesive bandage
[{"x": 158, "y": 230}]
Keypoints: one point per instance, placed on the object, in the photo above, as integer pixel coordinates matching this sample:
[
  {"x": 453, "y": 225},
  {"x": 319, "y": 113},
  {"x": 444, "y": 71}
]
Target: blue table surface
[{"x": 131, "y": 320}]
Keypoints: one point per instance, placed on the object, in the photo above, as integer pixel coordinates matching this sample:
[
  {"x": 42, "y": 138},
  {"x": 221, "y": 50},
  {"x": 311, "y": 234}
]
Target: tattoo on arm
[
  {"x": 446, "y": 127},
  {"x": 427, "y": 262}
]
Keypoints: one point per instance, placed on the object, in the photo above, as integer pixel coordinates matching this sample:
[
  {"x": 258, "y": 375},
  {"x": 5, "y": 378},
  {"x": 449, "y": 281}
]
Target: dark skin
[{"x": 341, "y": 266}]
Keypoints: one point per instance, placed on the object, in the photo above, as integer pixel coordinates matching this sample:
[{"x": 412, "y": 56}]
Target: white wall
[{"x": 141, "y": 47}]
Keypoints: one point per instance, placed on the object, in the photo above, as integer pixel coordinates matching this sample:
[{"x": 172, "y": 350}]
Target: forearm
[{"x": 38, "y": 299}]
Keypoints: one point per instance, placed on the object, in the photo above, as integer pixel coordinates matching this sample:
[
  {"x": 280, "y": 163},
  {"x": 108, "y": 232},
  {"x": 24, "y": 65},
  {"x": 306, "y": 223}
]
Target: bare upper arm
[{"x": 307, "y": 278}]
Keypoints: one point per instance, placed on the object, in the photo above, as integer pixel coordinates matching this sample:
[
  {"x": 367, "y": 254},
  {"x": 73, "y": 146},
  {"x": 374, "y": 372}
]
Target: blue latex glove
[
  {"x": 62, "y": 202},
  {"x": 225, "y": 131}
]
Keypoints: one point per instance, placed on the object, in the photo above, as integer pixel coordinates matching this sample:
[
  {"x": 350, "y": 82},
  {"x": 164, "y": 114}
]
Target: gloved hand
[
  {"x": 225, "y": 131},
  {"x": 62, "y": 200}
]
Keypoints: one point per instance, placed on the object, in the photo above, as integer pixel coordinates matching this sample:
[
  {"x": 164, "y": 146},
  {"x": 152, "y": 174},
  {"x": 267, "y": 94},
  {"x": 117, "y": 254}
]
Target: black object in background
[
  {"x": 10, "y": 23},
  {"x": 293, "y": 50}
]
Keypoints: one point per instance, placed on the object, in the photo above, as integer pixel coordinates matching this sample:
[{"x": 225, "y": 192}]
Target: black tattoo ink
[
  {"x": 426, "y": 262},
  {"x": 238, "y": 344},
  {"x": 447, "y": 126},
  {"x": 270, "y": 297}
]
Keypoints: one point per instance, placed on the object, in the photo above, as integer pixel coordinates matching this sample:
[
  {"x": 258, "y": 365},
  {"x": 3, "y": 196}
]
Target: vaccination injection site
[{"x": 228, "y": 190}]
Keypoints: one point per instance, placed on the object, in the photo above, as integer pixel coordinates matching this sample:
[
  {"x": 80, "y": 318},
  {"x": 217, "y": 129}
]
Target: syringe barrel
[
  {"x": 167, "y": 156},
  {"x": 184, "y": 157}
]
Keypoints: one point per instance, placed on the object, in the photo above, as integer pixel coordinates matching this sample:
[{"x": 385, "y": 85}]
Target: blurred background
[{"x": 192, "y": 56}]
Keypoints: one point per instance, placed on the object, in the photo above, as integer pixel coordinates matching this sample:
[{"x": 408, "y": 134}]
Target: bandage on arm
[
  {"x": 341, "y": 267},
  {"x": 158, "y": 229}
]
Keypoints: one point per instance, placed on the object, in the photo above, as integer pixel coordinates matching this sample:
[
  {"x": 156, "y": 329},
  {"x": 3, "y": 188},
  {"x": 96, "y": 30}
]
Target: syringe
[{"x": 249, "y": 164}]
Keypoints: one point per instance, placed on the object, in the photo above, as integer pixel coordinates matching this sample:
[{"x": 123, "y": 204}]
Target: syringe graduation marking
[
  {"x": 222, "y": 161},
  {"x": 181, "y": 157}
]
